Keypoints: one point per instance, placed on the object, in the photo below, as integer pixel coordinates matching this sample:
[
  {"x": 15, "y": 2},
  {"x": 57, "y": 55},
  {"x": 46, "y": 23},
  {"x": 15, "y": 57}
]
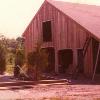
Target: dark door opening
[
  {"x": 95, "y": 45},
  {"x": 51, "y": 59},
  {"x": 65, "y": 59},
  {"x": 80, "y": 60},
  {"x": 47, "y": 31}
]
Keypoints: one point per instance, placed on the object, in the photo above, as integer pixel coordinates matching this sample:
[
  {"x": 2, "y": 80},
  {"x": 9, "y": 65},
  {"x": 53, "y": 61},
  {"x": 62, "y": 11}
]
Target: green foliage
[
  {"x": 38, "y": 59},
  {"x": 10, "y": 62},
  {"x": 20, "y": 42},
  {"x": 11, "y": 46},
  {"x": 31, "y": 58},
  {"x": 19, "y": 60},
  {"x": 19, "y": 57},
  {"x": 2, "y": 59}
]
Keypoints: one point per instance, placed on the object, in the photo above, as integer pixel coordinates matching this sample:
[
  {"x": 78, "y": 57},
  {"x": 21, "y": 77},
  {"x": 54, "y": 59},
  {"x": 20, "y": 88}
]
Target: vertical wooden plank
[
  {"x": 59, "y": 27},
  {"x": 88, "y": 62},
  {"x": 32, "y": 36},
  {"x": 56, "y": 61},
  {"x": 74, "y": 47},
  {"x": 56, "y": 42},
  {"x": 66, "y": 28},
  {"x": 67, "y": 32}
]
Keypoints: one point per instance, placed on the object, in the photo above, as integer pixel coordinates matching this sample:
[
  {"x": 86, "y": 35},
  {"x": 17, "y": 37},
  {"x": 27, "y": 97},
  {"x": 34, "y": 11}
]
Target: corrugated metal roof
[{"x": 87, "y": 16}]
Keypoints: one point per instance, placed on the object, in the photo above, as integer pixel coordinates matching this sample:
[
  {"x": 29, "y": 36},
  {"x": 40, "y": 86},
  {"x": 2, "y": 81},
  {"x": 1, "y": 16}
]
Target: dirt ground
[
  {"x": 51, "y": 90},
  {"x": 57, "y": 91}
]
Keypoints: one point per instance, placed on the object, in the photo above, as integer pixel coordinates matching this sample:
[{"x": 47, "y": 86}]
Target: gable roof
[{"x": 87, "y": 16}]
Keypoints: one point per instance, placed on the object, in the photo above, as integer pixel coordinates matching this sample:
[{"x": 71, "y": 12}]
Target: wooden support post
[
  {"x": 96, "y": 62},
  {"x": 74, "y": 49},
  {"x": 75, "y": 58},
  {"x": 86, "y": 45},
  {"x": 56, "y": 62}
]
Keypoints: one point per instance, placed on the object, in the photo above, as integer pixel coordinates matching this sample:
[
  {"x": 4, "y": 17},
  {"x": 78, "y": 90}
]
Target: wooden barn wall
[
  {"x": 63, "y": 29},
  {"x": 65, "y": 32},
  {"x": 88, "y": 69}
]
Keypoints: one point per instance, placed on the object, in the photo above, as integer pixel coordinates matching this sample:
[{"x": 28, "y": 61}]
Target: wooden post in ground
[
  {"x": 96, "y": 63},
  {"x": 75, "y": 62},
  {"x": 56, "y": 62}
]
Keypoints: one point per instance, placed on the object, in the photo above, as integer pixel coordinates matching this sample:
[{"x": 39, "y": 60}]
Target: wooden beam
[
  {"x": 96, "y": 62},
  {"x": 86, "y": 45},
  {"x": 56, "y": 62}
]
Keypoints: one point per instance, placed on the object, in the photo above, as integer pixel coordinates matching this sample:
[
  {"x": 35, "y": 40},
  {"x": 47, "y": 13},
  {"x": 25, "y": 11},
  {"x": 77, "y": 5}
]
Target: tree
[
  {"x": 20, "y": 42},
  {"x": 38, "y": 60},
  {"x": 2, "y": 55}
]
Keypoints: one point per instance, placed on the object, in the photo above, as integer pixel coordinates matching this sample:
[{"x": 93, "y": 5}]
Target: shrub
[
  {"x": 38, "y": 60},
  {"x": 2, "y": 60},
  {"x": 19, "y": 60},
  {"x": 19, "y": 57}
]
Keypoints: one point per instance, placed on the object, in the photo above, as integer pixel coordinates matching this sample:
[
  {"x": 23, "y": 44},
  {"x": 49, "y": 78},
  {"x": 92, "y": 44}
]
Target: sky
[{"x": 15, "y": 15}]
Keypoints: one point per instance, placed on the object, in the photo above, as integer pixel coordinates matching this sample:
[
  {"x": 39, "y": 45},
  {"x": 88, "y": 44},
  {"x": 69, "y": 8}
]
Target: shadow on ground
[
  {"x": 5, "y": 78},
  {"x": 12, "y": 88},
  {"x": 7, "y": 83}
]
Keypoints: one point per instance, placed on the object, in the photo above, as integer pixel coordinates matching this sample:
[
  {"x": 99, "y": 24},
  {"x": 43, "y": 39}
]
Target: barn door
[
  {"x": 51, "y": 59},
  {"x": 65, "y": 59}
]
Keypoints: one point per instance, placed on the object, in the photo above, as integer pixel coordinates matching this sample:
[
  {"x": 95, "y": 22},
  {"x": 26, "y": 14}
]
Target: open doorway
[
  {"x": 51, "y": 59},
  {"x": 95, "y": 45},
  {"x": 65, "y": 59}
]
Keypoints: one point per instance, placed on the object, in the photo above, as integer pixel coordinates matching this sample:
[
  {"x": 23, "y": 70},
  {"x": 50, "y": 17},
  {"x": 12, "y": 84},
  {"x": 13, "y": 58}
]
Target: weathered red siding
[{"x": 66, "y": 34}]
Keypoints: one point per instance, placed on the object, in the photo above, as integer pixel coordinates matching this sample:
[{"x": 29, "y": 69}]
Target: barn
[{"x": 70, "y": 32}]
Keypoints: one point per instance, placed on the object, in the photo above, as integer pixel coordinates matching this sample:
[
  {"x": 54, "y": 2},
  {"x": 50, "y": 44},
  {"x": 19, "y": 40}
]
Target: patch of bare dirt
[{"x": 50, "y": 91}]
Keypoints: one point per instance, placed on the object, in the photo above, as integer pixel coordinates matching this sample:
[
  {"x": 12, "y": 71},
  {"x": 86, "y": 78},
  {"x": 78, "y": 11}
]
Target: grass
[
  {"x": 9, "y": 66},
  {"x": 9, "y": 69}
]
